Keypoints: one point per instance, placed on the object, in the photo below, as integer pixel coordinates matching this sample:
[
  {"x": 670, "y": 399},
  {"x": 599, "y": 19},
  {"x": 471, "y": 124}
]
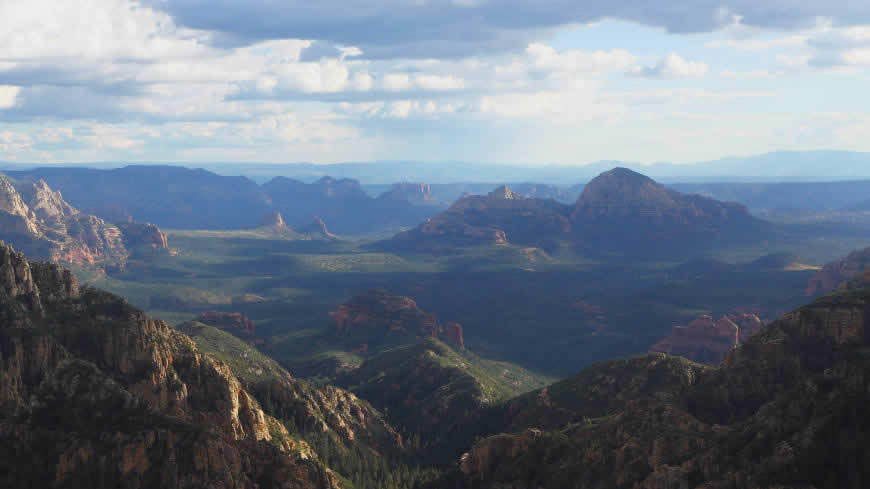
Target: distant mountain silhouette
[{"x": 618, "y": 211}]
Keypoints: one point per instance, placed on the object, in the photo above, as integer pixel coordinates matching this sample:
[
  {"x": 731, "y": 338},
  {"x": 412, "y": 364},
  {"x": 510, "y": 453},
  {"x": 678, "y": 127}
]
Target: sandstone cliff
[
  {"x": 138, "y": 234},
  {"x": 414, "y": 193},
  {"x": 37, "y": 220},
  {"x": 706, "y": 341},
  {"x": 96, "y": 394}
]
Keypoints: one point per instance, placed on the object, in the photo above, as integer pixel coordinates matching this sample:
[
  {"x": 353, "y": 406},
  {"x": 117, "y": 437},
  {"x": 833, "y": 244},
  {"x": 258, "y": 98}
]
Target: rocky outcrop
[
  {"x": 38, "y": 221},
  {"x": 91, "y": 385},
  {"x": 381, "y": 312},
  {"x": 414, "y": 193},
  {"x": 834, "y": 274},
  {"x": 137, "y": 234},
  {"x": 453, "y": 334},
  {"x": 237, "y": 323},
  {"x": 500, "y": 217},
  {"x": 318, "y": 228},
  {"x": 706, "y": 341},
  {"x": 274, "y": 222}
]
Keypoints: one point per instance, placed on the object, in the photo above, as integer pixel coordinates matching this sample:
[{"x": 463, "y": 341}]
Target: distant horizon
[{"x": 780, "y": 166}]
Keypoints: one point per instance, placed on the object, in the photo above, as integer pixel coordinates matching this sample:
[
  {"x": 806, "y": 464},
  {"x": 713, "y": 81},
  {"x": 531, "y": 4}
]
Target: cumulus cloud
[
  {"x": 8, "y": 94},
  {"x": 671, "y": 66},
  {"x": 443, "y": 28}
]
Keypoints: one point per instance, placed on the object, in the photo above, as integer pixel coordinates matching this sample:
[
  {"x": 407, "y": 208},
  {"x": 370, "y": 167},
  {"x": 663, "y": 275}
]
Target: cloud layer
[{"x": 264, "y": 80}]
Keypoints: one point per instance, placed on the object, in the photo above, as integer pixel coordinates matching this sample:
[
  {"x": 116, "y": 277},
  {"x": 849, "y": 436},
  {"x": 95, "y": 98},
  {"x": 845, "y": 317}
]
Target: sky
[{"x": 541, "y": 82}]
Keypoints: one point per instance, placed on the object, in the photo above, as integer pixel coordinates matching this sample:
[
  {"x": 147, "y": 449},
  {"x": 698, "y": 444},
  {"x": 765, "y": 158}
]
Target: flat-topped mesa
[
  {"x": 706, "y": 341},
  {"x": 414, "y": 193},
  {"x": 377, "y": 309}
]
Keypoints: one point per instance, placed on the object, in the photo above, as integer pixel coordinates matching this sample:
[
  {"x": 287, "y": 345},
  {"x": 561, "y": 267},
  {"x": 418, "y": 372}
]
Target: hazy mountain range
[{"x": 779, "y": 166}]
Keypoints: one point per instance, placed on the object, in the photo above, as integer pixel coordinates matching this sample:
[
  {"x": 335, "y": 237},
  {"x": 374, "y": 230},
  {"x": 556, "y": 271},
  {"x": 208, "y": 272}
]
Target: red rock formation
[
  {"x": 833, "y": 274},
  {"x": 235, "y": 322},
  {"x": 415, "y": 193},
  {"x": 143, "y": 234},
  {"x": 706, "y": 341},
  {"x": 453, "y": 331},
  {"x": 318, "y": 228},
  {"x": 749, "y": 324},
  {"x": 378, "y": 309},
  {"x": 273, "y": 222}
]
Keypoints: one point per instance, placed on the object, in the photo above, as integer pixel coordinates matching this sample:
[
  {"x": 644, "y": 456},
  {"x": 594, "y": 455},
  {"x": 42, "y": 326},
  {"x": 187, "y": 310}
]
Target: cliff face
[
  {"x": 143, "y": 234},
  {"x": 307, "y": 409},
  {"x": 96, "y": 394},
  {"x": 414, "y": 193},
  {"x": 781, "y": 411},
  {"x": 41, "y": 223},
  {"x": 706, "y": 341},
  {"x": 834, "y": 274}
]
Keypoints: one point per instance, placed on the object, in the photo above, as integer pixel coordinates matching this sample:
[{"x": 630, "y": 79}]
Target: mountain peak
[
  {"x": 504, "y": 193},
  {"x": 624, "y": 185},
  {"x": 274, "y": 221}
]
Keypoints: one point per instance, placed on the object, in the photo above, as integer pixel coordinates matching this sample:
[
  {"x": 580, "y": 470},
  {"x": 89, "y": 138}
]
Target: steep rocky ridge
[
  {"x": 41, "y": 223},
  {"x": 305, "y": 408},
  {"x": 784, "y": 410},
  {"x": 97, "y": 394}
]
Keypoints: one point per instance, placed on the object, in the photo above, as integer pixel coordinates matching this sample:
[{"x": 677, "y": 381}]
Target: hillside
[
  {"x": 435, "y": 393},
  {"x": 97, "y": 394},
  {"x": 784, "y": 410}
]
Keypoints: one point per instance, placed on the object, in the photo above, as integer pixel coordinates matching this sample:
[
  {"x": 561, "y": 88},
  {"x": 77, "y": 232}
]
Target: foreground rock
[
  {"x": 783, "y": 411},
  {"x": 94, "y": 393}
]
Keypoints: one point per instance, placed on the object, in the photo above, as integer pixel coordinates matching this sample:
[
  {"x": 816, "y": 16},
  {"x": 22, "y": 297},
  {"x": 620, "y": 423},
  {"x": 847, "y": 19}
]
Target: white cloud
[
  {"x": 8, "y": 94},
  {"x": 671, "y": 66}
]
